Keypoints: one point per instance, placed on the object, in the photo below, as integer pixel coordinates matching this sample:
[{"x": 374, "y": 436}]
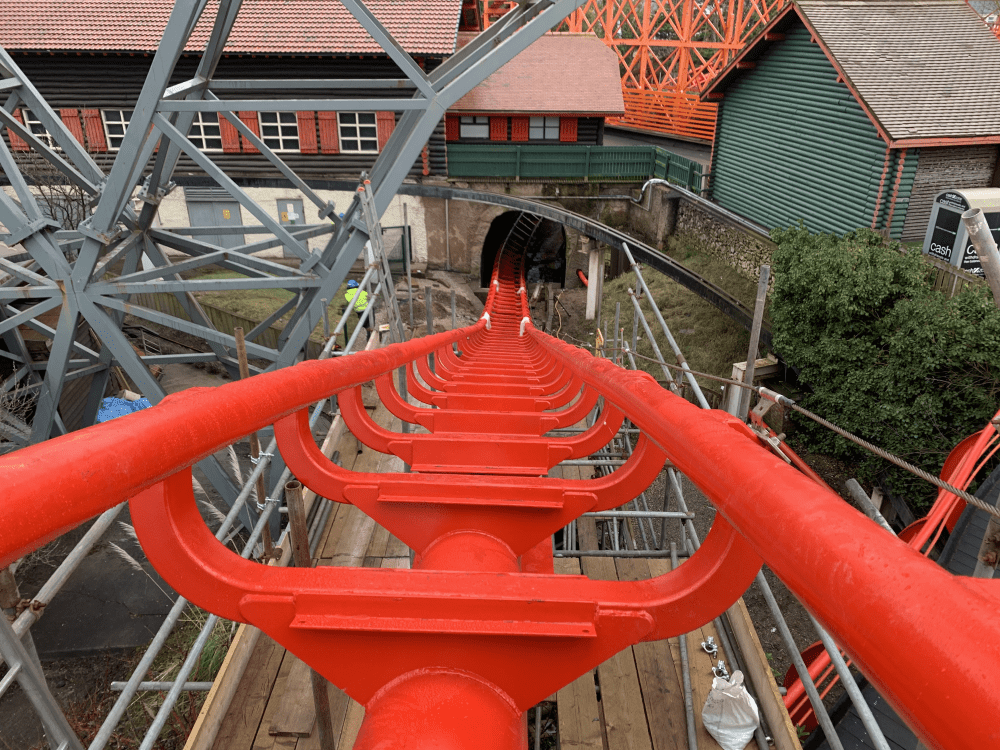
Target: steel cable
[{"x": 770, "y": 395}]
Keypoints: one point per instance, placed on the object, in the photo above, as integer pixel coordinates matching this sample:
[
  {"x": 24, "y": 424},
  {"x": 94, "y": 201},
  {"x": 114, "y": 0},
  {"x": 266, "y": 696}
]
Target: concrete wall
[{"x": 173, "y": 213}]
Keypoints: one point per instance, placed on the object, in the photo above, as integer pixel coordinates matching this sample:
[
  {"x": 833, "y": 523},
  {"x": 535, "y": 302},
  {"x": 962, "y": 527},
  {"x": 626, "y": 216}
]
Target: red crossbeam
[{"x": 482, "y": 627}]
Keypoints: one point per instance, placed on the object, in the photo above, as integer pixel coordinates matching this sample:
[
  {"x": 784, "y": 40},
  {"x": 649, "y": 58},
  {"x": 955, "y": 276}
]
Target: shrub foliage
[{"x": 886, "y": 357}]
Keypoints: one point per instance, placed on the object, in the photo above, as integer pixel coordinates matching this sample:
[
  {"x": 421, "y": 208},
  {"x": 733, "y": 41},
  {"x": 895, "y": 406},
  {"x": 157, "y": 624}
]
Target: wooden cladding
[{"x": 316, "y": 132}]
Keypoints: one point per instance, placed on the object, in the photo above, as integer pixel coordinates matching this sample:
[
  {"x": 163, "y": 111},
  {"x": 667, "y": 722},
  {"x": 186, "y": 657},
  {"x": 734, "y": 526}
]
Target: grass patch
[
  {"x": 165, "y": 668},
  {"x": 709, "y": 340},
  {"x": 258, "y": 304}
]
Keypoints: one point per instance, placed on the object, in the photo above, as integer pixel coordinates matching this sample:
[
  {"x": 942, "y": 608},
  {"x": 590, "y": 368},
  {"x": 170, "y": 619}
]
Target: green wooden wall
[{"x": 793, "y": 144}]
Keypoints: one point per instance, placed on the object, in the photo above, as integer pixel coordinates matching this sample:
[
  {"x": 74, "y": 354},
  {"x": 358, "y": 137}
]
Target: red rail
[{"x": 482, "y": 626}]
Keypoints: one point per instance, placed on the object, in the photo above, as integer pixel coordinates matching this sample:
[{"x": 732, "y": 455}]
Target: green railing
[{"x": 600, "y": 163}]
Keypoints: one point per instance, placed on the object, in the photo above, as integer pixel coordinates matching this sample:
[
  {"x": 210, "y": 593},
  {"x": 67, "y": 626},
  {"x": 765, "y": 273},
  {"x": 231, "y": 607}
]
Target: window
[
  {"x": 474, "y": 127},
  {"x": 205, "y": 133},
  {"x": 543, "y": 129},
  {"x": 33, "y": 124},
  {"x": 115, "y": 124},
  {"x": 358, "y": 131},
  {"x": 279, "y": 130}
]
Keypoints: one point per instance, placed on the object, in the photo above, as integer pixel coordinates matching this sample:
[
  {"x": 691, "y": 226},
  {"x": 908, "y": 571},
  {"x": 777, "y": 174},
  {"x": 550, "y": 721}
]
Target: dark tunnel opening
[{"x": 545, "y": 254}]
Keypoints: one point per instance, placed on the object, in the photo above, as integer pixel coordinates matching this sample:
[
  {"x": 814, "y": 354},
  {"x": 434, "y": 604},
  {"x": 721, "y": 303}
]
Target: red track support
[{"x": 482, "y": 627}]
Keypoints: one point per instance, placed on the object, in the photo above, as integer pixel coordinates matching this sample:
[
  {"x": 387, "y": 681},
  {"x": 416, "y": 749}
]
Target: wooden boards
[{"x": 637, "y": 699}]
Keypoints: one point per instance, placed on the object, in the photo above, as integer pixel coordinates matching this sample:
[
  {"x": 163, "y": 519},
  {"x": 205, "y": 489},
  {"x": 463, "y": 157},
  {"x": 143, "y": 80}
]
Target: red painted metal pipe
[
  {"x": 54, "y": 486},
  {"x": 929, "y": 641}
]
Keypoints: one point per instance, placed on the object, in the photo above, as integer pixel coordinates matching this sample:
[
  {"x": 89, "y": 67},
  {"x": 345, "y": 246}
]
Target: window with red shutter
[
  {"x": 229, "y": 135},
  {"x": 16, "y": 142},
  {"x": 519, "y": 128},
  {"x": 94, "y": 130},
  {"x": 498, "y": 128},
  {"x": 329, "y": 141},
  {"x": 250, "y": 120},
  {"x": 71, "y": 119},
  {"x": 450, "y": 128},
  {"x": 567, "y": 129},
  {"x": 386, "y": 124},
  {"x": 307, "y": 133}
]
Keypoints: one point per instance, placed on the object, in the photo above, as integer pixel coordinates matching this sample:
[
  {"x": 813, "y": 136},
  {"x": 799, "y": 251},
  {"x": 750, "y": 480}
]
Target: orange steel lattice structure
[{"x": 668, "y": 50}]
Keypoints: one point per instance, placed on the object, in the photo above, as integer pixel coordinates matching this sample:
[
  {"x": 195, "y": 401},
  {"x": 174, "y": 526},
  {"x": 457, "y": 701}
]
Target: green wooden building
[{"x": 848, "y": 114}]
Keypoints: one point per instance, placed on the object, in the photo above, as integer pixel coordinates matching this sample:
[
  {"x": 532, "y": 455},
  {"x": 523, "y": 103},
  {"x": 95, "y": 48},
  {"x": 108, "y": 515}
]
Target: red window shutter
[
  {"x": 329, "y": 139},
  {"x": 519, "y": 128},
  {"x": 567, "y": 129},
  {"x": 386, "y": 123},
  {"x": 71, "y": 119},
  {"x": 17, "y": 143},
  {"x": 307, "y": 132},
  {"x": 451, "y": 128},
  {"x": 230, "y": 136},
  {"x": 498, "y": 128},
  {"x": 250, "y": 120},
  {"x": 94, "y": 129}
]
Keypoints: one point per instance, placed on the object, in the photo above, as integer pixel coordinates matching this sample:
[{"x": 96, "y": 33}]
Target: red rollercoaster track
[{"x": 481, "y": 627}]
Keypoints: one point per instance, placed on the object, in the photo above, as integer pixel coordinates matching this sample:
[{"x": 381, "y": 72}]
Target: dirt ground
[{"x": 80, "y": 684}]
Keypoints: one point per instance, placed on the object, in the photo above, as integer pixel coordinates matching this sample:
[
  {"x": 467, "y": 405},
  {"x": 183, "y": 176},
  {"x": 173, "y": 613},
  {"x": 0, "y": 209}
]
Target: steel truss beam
[{"x": 91, "y": 273}]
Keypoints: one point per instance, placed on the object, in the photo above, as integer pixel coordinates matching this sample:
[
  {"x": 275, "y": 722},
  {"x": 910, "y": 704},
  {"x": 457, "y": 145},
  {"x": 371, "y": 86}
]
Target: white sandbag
[{"x": 730, "y": 713}]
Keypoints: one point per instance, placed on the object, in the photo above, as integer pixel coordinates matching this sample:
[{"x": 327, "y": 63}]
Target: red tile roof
[
  {"x": 558, "y": 73},
  {"x": 263, "y": 26}
]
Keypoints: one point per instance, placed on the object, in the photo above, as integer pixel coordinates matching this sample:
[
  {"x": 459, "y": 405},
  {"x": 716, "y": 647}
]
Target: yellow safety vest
[{"x": 362, "y": 302}]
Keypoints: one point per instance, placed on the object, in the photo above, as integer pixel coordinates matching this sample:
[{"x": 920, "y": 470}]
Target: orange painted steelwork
[
  {"x": 482, "y": 627},
  {"x": 668, "y": 51}
]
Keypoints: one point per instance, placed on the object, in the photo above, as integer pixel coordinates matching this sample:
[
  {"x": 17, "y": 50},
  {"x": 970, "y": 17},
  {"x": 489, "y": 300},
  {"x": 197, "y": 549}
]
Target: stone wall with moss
[{"x": 743, "y": 251}]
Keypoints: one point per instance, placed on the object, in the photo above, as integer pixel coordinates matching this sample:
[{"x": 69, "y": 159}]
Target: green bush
[{"x": 887, "y": 358}]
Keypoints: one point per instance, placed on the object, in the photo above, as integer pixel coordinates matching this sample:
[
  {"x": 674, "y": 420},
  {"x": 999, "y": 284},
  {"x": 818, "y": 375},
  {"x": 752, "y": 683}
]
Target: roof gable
[
  {"x": 917, "y": 68},
  {"x": 573, "y": 73},
  {"x": 263, "y": 26}
]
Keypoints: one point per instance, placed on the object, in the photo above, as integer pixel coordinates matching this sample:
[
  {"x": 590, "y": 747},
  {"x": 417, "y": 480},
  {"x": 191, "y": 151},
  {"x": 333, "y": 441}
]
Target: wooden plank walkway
[{"x": 633, "y": 701}]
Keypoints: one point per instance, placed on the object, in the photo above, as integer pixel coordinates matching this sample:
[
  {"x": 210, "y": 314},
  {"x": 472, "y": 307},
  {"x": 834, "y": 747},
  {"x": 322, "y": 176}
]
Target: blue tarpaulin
[{"x": 119, "y": 407}]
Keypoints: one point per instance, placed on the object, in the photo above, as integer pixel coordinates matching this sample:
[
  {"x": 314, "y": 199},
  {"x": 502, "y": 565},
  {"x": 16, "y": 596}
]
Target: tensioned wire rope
[{"x": 777, "y": 398}]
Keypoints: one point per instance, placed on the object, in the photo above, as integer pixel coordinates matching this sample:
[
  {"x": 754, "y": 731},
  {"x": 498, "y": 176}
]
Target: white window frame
[
  {"x": 198, "y": 135},
  {"x": 543, "y": 129},
  {"x": 287, "y": 125},
  {"x": 474, "y": 126},
  {"x": 33, "y": 125},
  {"x": 357, "y": 142},
  {"x": 117, "y": 117}
]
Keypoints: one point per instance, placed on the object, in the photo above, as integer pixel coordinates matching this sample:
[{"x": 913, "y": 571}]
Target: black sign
[
  {"x": 970, "y": 261},
  {"x": 945, "y": 228},
  {"x": 953, "y": 200}
]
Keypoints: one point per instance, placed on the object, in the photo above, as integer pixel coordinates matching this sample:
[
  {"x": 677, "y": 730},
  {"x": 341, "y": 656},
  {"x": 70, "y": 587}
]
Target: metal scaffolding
[{"x": 90, "y": 274}]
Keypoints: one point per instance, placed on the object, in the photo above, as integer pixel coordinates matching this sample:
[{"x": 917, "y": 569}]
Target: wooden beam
[{"x": 772, "y": 705}]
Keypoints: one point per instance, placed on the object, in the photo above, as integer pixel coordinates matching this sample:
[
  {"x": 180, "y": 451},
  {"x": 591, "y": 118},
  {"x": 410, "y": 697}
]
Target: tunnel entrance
[{"x": 546, "y": 253}]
